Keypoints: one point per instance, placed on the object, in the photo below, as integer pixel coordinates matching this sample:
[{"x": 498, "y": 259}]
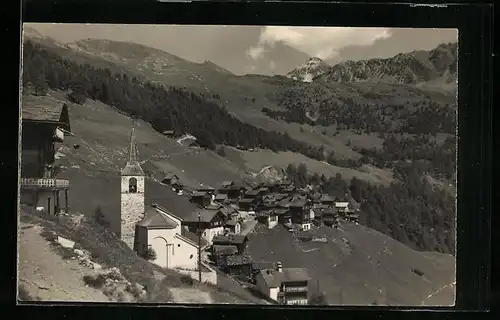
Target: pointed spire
[
  {"x": 133, "y": 167},
  {"x": 132, "y": 149}
]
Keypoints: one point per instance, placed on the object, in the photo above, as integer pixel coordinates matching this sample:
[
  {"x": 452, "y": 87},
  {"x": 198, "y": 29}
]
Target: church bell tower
[{"x": 132, "y": 195}]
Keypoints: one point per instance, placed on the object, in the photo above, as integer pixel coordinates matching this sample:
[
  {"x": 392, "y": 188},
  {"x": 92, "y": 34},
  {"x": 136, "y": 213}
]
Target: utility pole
[{"x": 199, "y": 248}]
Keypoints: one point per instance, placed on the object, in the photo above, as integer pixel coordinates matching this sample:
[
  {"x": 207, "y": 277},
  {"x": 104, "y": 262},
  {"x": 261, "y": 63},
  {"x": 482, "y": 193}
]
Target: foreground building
[
  {"x": 42, "y": 127},
  {"x": 284, "y": 285}
]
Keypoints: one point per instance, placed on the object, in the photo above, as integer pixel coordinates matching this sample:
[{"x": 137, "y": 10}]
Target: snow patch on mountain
[{"x": 309, "y": 70}]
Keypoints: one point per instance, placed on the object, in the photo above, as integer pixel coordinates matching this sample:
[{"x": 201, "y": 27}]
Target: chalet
[
  {"x": 227, "y": 184},
  {"x": 220, "y": 251},
  {"x": 178, "y": 188},
  {"x": 239, "y": 241},
  {"x": 220, "y": 197},
  {"x": 206, "y": 189},
  {"x": 233, "y": 227},
  {"x": 283, "y": 215},
  {"x": 329, "y": 217},
  {"x": 42, "y": 127},
  {"x": 213, "y": 206},
  {"x": 170, "y": 179},
  {"x": 285, "y": 285},
  {"x": 230, "y": 213},
  {"x": 236, "y": 265},
  {"x": 342, "y": 206},
  {"x": 247, "y": 204},
  {"x": 327, "y": 200},
  {"x": 209, "y": 222},
  {"x": 169, "y": 133},
  {"x": 175, "y": 247},
  {"x": 300, "y": 212},
  {"x": 201, "y": 198},
  {"x": 353, "y": 217},
  {"x": 268, "y": 218},
  {"x": 233, "y": 191},
  {"x": 253, "y": 194}
]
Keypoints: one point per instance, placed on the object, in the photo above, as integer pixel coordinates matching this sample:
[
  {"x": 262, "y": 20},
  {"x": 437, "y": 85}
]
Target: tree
[{"x": 100, "y": 219}]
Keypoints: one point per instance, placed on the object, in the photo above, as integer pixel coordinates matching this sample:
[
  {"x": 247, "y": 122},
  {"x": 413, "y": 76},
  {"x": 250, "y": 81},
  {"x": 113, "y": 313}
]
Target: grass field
[{"x": 359, "y": 266}]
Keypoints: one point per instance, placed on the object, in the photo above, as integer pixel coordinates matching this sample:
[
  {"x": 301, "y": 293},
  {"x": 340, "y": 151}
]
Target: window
[
  {"x": 178, "y": 246},
  {"x": 191, "y": 257},
  {"x": 132, "y": 185}
]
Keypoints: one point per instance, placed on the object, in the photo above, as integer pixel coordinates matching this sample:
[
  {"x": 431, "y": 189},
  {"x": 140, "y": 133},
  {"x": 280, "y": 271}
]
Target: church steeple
[{"x": 133, "y": 167}]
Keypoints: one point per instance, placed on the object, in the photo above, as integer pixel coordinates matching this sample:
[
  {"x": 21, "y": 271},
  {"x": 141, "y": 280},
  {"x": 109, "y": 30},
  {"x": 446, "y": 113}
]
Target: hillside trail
[{"x": 47, "y": 276}]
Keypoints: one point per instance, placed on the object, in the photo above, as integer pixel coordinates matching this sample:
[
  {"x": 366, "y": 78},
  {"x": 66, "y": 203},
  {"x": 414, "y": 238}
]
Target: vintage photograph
[{"x": 264, "y": 165}]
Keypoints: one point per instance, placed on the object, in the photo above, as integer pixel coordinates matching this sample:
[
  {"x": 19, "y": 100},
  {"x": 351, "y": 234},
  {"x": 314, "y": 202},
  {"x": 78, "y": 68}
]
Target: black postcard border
[{"x": 475, "y": 125}]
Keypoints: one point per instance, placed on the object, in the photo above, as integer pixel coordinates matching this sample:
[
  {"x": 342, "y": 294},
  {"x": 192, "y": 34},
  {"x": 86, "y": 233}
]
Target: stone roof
[
  {"x": 222, "y": 250},
  {"x": 132, "y": 169},
  {"x": 193, "y": 237},
  {"x": 154, "y": 219},
  {"x": 274, "y": 279},
  {"x": 235, "y": 260},
  {"x": 229, "y": 239},
  {"x": 57, "y": 113}
]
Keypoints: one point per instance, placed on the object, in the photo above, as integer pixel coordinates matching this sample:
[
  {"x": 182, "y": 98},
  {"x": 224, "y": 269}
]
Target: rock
[
  {"x": 79, "y": 252},
  {"x": 65, "y": 243}
]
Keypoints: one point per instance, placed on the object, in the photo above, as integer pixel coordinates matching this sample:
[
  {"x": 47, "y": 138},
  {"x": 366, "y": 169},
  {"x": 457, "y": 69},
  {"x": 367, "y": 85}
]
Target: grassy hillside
[{"x": 360, "y": 266}]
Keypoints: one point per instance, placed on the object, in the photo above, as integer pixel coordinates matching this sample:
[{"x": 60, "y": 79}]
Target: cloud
[{"x": 321, "y": 42}]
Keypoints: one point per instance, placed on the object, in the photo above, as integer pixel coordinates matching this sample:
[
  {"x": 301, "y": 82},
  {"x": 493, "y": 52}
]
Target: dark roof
[
  {"x": 263, "y": 265},
  {"x": 198, "y": 194},
  {"x": 57, "y": 114},
  {"x": 154, "y": 219},
  {"x": 132, "y": 169},
  {"x": 280, "y": 211},
  {"x": 252, "y": 193},
  {"x": 326, "y": 197},
  {"x": 231, "y": 223},
  {"x": 227, "y": 183},
  {"x": 213, "y": 207},
  {"x": 205, "y": 215},
  {"x": 228, "y": 210},
  {"x": 180, "y": 207},
  {"x": 230, "y": 239},
  {"x": 193, "y": 237},
  {"x": 220, "y": 196},
  {"x": 221, "y": 249},
  {"x": 246, "y": 200},
  {"x": 274, "y": 279},
  {"x": 169, "y": 176},
  {"x": 298, "y": 203},
  {"x": 235, "y": 260}
]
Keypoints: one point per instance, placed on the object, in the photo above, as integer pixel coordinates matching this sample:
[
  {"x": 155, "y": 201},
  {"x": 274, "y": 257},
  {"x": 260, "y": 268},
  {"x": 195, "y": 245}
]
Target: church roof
[
  {"x": 133, "y": 167},
  {"x": 154, "y": 219}
]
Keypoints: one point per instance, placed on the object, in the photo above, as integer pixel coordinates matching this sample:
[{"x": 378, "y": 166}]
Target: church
[{"x": 153, "y": 227}]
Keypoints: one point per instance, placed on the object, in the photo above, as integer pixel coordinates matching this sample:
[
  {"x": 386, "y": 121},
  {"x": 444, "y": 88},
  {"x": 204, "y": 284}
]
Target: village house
[
  {"x": 284, "y": 285},
  {"x": 222, "y": 198},
  {"x": 178, "y": 188},
  {"x": 327, "y": 200},
  {"x": 230, "y": 213},
  {"x": 201, "y": 198},
  {"x": 342, "y": 207},
  {"x": 42, "y": 127},
  {"x": 232, "y": 227},
  {"x": 283, "y": 215},
  {"x": 210, "y": 222},
  {"x": 236, "y": 265},
  {"x": 174, "y": 246},
  {"x": 239, "y": 241},
  {"x": 269, "y": 218},
  {"x": 206, "y": 189},
  {"x": 219, "y": 251},
  {"x": 300, "y": 212},
  {"x": 232, "y": 191},
  {"x": 247, "y": 204},
  {"x": 170, "y": 179}
]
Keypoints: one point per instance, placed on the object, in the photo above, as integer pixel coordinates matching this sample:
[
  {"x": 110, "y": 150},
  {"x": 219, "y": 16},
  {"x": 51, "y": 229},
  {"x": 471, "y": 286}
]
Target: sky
[{"x": 259, "y": 49}]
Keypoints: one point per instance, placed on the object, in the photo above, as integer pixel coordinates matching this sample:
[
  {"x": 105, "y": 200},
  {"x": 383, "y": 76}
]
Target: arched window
[{"x": 132, "y": 185}]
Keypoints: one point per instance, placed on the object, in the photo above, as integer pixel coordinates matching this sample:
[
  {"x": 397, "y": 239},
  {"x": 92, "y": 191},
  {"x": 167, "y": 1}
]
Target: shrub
[
  {"x": 185, "y": 279},
  {"x": 100, "y": 219},
  {"x": 94, "y": 281},
  {"x": 150, "y": 254},
  {"x": 221, "y": 152}
]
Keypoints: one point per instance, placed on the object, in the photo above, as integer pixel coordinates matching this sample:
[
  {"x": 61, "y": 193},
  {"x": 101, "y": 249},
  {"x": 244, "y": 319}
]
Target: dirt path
[{"x": 47, "y": 276}]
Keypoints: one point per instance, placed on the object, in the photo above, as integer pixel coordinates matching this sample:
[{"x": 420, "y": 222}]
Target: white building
[
  {"x": 284, "y": 285},
  {"x": 174, "y": 246}
]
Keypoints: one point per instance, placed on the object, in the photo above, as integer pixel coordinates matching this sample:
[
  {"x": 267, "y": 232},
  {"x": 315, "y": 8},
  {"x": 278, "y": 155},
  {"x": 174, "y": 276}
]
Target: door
[{"x": 161, "y": 247}]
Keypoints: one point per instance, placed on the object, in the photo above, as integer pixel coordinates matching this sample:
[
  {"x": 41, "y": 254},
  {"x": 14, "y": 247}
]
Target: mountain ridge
[{"x": 414, "y": 67}]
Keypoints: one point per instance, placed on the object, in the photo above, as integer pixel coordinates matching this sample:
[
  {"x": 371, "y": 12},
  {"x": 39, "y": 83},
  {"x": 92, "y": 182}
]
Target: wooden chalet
[
  {"x": 170, "y": 179},
  {"x": 201, "y": 198},
  {"x": 300, "y": 211},
  {"x": 327, "y": 200},
  {"x": 232, "y": 226},
  {"x": 247, "y": 204},
  {"x": 209, "y": 222},
  {"x": 220, "y": 251},
  {"x": 239, "y": 241},
  {"x": 222, "y": 198},
  {"x": 42, "y": 127},
  {"x": 236, "y": 265}
]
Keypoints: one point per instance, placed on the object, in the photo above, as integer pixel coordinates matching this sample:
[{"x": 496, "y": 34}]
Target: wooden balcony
[
  {"x": 43, "y": 183},
  {"x": 296, "y": 289}
]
